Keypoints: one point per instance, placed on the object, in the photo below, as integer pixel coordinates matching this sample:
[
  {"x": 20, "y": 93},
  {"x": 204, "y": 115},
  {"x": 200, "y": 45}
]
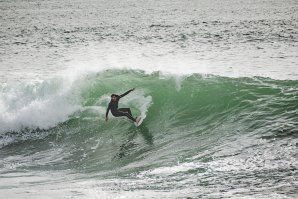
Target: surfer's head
[{"x": 113, "y": 97}]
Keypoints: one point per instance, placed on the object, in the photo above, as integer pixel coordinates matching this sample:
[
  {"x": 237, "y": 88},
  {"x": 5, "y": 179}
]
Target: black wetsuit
[{"x": 113, "y": 106}]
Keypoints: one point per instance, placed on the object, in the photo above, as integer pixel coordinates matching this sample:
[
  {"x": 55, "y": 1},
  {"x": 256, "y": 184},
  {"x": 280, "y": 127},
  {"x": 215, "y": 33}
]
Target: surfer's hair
[{"x": 113, "y": 95}]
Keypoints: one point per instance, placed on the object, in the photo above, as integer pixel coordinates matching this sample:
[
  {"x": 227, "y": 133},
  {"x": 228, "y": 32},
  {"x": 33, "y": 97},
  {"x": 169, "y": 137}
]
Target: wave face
[{"x": 203, "y": 136}]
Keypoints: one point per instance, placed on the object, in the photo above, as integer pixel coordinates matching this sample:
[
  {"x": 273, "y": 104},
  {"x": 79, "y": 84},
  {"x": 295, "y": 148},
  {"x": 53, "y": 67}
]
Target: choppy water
[{"x": 216, "y": 80}]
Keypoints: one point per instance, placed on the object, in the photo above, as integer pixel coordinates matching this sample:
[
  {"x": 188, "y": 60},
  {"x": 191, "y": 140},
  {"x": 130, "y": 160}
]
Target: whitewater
[{"x": 216, "y": 81}]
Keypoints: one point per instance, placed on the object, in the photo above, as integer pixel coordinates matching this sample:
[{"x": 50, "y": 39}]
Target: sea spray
[{"x": 41, "y": 104}]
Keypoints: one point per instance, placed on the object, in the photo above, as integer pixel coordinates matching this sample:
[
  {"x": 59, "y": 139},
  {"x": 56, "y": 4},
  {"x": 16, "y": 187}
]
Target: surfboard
[{"x": 139, "y": 121}]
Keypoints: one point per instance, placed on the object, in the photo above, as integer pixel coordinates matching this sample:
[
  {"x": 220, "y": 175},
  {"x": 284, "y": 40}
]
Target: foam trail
[{"x": 138, "y": 100}]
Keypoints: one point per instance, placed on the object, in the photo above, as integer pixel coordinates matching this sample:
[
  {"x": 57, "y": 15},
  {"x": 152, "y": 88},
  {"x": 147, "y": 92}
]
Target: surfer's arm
[
  {"x": 107, "y": 113},
  {"x": 126, "y": 93}
]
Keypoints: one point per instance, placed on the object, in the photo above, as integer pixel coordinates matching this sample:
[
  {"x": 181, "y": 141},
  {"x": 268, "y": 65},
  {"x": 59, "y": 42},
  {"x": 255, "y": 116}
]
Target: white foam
[
  {"x": 41, "y": 104},
  {"x": 138, "y": 100},
  {"x": 169, "y": 170}
]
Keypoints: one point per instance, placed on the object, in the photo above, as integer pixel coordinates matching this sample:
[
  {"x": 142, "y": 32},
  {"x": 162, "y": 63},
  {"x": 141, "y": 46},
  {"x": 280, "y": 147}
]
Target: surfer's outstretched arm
[
  {"x": 126, "y": 93},
  {"x": 107, "y": 113}
]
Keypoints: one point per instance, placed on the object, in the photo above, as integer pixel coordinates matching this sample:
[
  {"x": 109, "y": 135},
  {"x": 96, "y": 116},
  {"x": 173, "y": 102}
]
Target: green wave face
[
  {"x": 185, "y": 116},
  {"x": 198, "y": 130}
]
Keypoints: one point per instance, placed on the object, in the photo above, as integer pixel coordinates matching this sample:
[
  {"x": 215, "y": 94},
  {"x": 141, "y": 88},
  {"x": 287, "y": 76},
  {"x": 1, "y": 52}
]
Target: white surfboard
[{"x": 139, "y": 121}]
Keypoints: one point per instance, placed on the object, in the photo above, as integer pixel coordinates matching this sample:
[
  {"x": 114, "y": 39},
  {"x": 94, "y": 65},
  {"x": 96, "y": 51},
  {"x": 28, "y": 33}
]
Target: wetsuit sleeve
[
  {"x": 108, "y": 109},
  {"x": 125, "y": 93}
]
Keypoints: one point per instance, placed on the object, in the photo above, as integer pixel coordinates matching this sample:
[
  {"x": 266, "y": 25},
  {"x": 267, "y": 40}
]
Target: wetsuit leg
[
  {"x": 125, "y": 110},
  {"x": 121, "y": 113}
]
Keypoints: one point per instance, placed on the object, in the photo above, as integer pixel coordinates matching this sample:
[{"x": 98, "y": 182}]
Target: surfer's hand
[
  {"x": 106, "y": 119},
  {"x": 132, "y": 89}
]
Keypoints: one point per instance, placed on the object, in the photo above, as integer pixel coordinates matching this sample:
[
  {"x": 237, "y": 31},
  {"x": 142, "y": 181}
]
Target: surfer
[{"x": 113, "y": 106}]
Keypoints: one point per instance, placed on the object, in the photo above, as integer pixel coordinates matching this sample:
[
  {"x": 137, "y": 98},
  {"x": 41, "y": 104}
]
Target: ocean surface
[{"x": 216, "y": 80}]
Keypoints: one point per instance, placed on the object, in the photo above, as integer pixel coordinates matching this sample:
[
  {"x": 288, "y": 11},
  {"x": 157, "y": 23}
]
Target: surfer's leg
[
  {"x": 120, "y": 113},
  {"x": 125, "y": 110},
  {"x": 129, "y": 116}
]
